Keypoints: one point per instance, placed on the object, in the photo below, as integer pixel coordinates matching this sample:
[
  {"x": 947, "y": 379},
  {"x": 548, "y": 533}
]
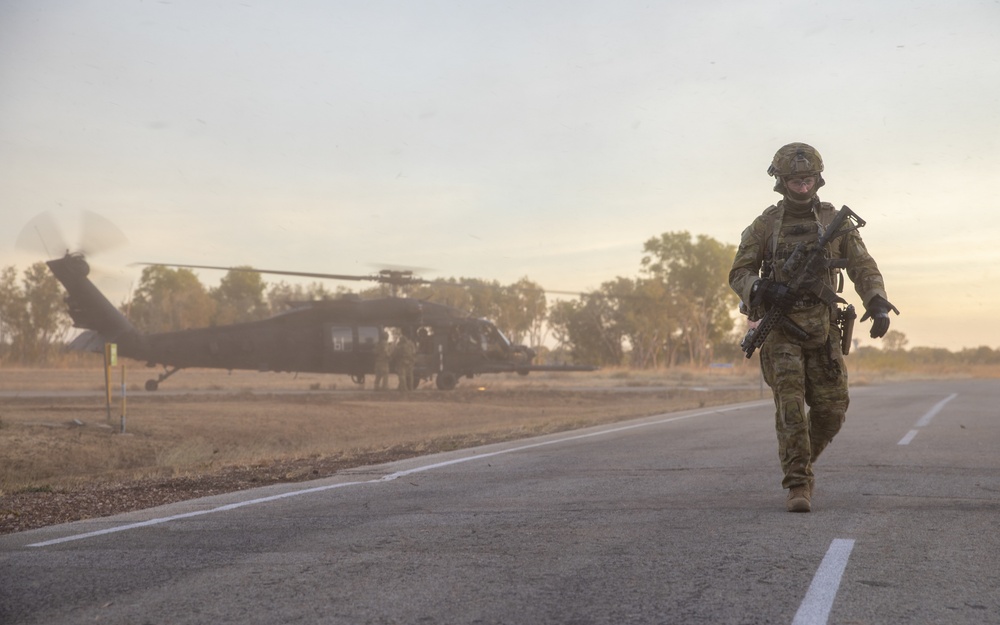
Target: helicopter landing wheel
[
  {"x": 152, "y": 385},
  {"x": 446, "y": 380},
  {"x": 523, "y": 372}
]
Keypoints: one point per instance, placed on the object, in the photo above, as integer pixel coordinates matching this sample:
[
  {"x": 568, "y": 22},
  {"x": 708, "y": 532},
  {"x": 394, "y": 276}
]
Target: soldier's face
[{"x": 801, "y": 185}]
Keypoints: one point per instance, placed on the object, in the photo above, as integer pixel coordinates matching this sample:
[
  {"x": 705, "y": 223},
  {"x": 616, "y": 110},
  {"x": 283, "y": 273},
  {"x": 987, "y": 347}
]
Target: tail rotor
[{"x": 42, "y": 236}]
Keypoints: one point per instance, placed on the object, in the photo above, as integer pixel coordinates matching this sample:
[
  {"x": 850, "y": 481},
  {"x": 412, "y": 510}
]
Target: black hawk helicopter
[{"x": 329, "y": 336}]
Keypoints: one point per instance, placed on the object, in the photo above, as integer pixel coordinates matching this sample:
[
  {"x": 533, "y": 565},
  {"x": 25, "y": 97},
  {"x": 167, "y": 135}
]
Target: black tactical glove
[
  {"x": 878, "y": 310},
  {"x": 767, "y": 292}
]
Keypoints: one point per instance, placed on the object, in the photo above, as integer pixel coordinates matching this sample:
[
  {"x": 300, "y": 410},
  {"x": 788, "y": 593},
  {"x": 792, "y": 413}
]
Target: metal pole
[
  {"x": 123, "y": 399},
  {"x": 107, "y": 378}
]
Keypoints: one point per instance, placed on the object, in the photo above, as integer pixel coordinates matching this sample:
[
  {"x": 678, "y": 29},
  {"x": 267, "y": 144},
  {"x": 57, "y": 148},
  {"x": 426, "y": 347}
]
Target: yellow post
[
  {"x": 123, "y": 398},
  {"x": 110, "y": 360},
  {"x": 107, "y": 378}
]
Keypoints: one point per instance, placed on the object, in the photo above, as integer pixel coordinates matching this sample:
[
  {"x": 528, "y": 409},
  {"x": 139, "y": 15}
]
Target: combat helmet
[{"x": 796, "y": 159}]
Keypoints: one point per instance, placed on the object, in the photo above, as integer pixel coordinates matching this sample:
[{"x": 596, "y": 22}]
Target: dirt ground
[
  {"x": 64, "y": 456},
  {"x": 207, "y": 432}
]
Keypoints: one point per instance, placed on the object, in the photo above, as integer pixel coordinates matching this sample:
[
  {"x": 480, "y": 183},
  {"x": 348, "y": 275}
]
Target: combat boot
[{"x": 798, "y": 498}]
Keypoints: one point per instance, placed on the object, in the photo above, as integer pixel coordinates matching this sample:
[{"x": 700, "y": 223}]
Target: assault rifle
[{"x": 805, "y": 269}]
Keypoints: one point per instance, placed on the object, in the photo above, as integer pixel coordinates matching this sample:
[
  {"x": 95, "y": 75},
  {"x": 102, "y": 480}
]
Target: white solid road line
[
  {"x": 926, "y": 419},
  {"x": 815, "y": 608},
  {"x": 909, "y": 437},
  {"x": 390, "y": 477}
]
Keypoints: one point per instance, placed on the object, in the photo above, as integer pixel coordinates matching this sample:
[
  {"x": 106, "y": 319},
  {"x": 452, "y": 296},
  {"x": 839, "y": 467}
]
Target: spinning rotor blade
[
  {"x": 574, "y": 293},
  {"x": 98, "y": 234},
  {"x": 385, "y": 276},
  {"x": 393, "y": 277},
  {"x": 42, "y": 237}
]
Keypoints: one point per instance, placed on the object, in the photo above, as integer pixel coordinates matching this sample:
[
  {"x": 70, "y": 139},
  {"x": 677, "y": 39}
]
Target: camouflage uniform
[
  {"x": 406, "y": 354},
  {"x": 811, "y": 371},
  {"x": 382, "y": 354}
]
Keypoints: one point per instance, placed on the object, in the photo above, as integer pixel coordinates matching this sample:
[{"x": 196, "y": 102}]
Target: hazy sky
[{"x": 497, "y": 140}]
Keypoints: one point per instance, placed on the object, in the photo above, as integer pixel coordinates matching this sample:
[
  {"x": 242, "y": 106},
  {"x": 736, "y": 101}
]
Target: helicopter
[{"x": 336, "y": 336}]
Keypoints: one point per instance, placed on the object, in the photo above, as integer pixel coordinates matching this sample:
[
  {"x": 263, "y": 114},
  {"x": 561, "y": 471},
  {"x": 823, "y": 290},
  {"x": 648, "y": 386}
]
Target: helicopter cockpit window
[
  {"x": 342, "y": 338},
  {"x": 367, "y": 338},
  {"x": 494, "y": 334},
  {"x": 495, "y": 344}
]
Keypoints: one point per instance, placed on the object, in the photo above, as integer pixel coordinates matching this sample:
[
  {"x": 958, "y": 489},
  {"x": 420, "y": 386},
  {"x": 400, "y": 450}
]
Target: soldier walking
[{"x": 807, "y": 369}]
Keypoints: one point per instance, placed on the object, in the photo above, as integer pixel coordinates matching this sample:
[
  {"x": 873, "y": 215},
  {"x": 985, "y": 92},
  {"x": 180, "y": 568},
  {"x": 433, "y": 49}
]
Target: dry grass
[
  {"x": 51, "y": 438},
  {"x": 91, "y": 378},
  {"x": 55, "y": 433}
]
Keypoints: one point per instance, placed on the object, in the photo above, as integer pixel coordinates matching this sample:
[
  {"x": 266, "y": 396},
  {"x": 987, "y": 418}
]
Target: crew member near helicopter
[
  {"x": 383, "y": 351},
  {"x": 405, "y": 356}
]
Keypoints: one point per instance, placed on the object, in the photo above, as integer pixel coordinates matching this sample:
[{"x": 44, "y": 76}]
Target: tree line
[
  {"x": 33, "y": 318},
  {"x": 677, "y": 310}
]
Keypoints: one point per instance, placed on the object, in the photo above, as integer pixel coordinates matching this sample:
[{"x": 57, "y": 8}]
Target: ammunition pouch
[{"x": 807, "y": 300}]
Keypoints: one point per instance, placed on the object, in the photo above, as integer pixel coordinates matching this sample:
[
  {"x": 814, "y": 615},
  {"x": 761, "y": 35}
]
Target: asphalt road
[{"x": 671, "y": 519}]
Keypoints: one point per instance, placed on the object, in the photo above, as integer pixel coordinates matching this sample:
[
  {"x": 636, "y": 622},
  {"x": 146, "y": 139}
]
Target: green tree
[
  {"x": 46, "y": 309},
  {"x": 586, "y": 329},
  {"x": 33, "y": 319},
  {"x": 11, "y": 304},
  {"x": 647, "y": 318},
  {"x": 485, "y": 300},
  {"x": 932, "y": 356},
  {"x": 695, "y": 273},
  {"x": 447, "y": 292},
  {"x": 239, "y": 297},
  {"x": 981, "y": 355},
  {"x": 170, "y": 299},
  {"x": 282, "y": 295},
  {"x": 522, "y": 311},
  {"x": 894, "y": 340}
]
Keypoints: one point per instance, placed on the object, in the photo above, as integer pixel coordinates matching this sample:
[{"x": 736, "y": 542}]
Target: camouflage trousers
[
  {"x": 381, "y": 376},
  {"x": 405, "y": 373},
  {"x": 804, "y": 376}
]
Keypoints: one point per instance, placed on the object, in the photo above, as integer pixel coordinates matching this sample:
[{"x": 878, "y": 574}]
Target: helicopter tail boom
[{"x": 90, "y": 309}]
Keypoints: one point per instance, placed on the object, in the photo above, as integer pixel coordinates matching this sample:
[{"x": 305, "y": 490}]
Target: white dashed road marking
[
  {"x": 815, "y": 608},
  {"x": 926, "y": 419}
]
